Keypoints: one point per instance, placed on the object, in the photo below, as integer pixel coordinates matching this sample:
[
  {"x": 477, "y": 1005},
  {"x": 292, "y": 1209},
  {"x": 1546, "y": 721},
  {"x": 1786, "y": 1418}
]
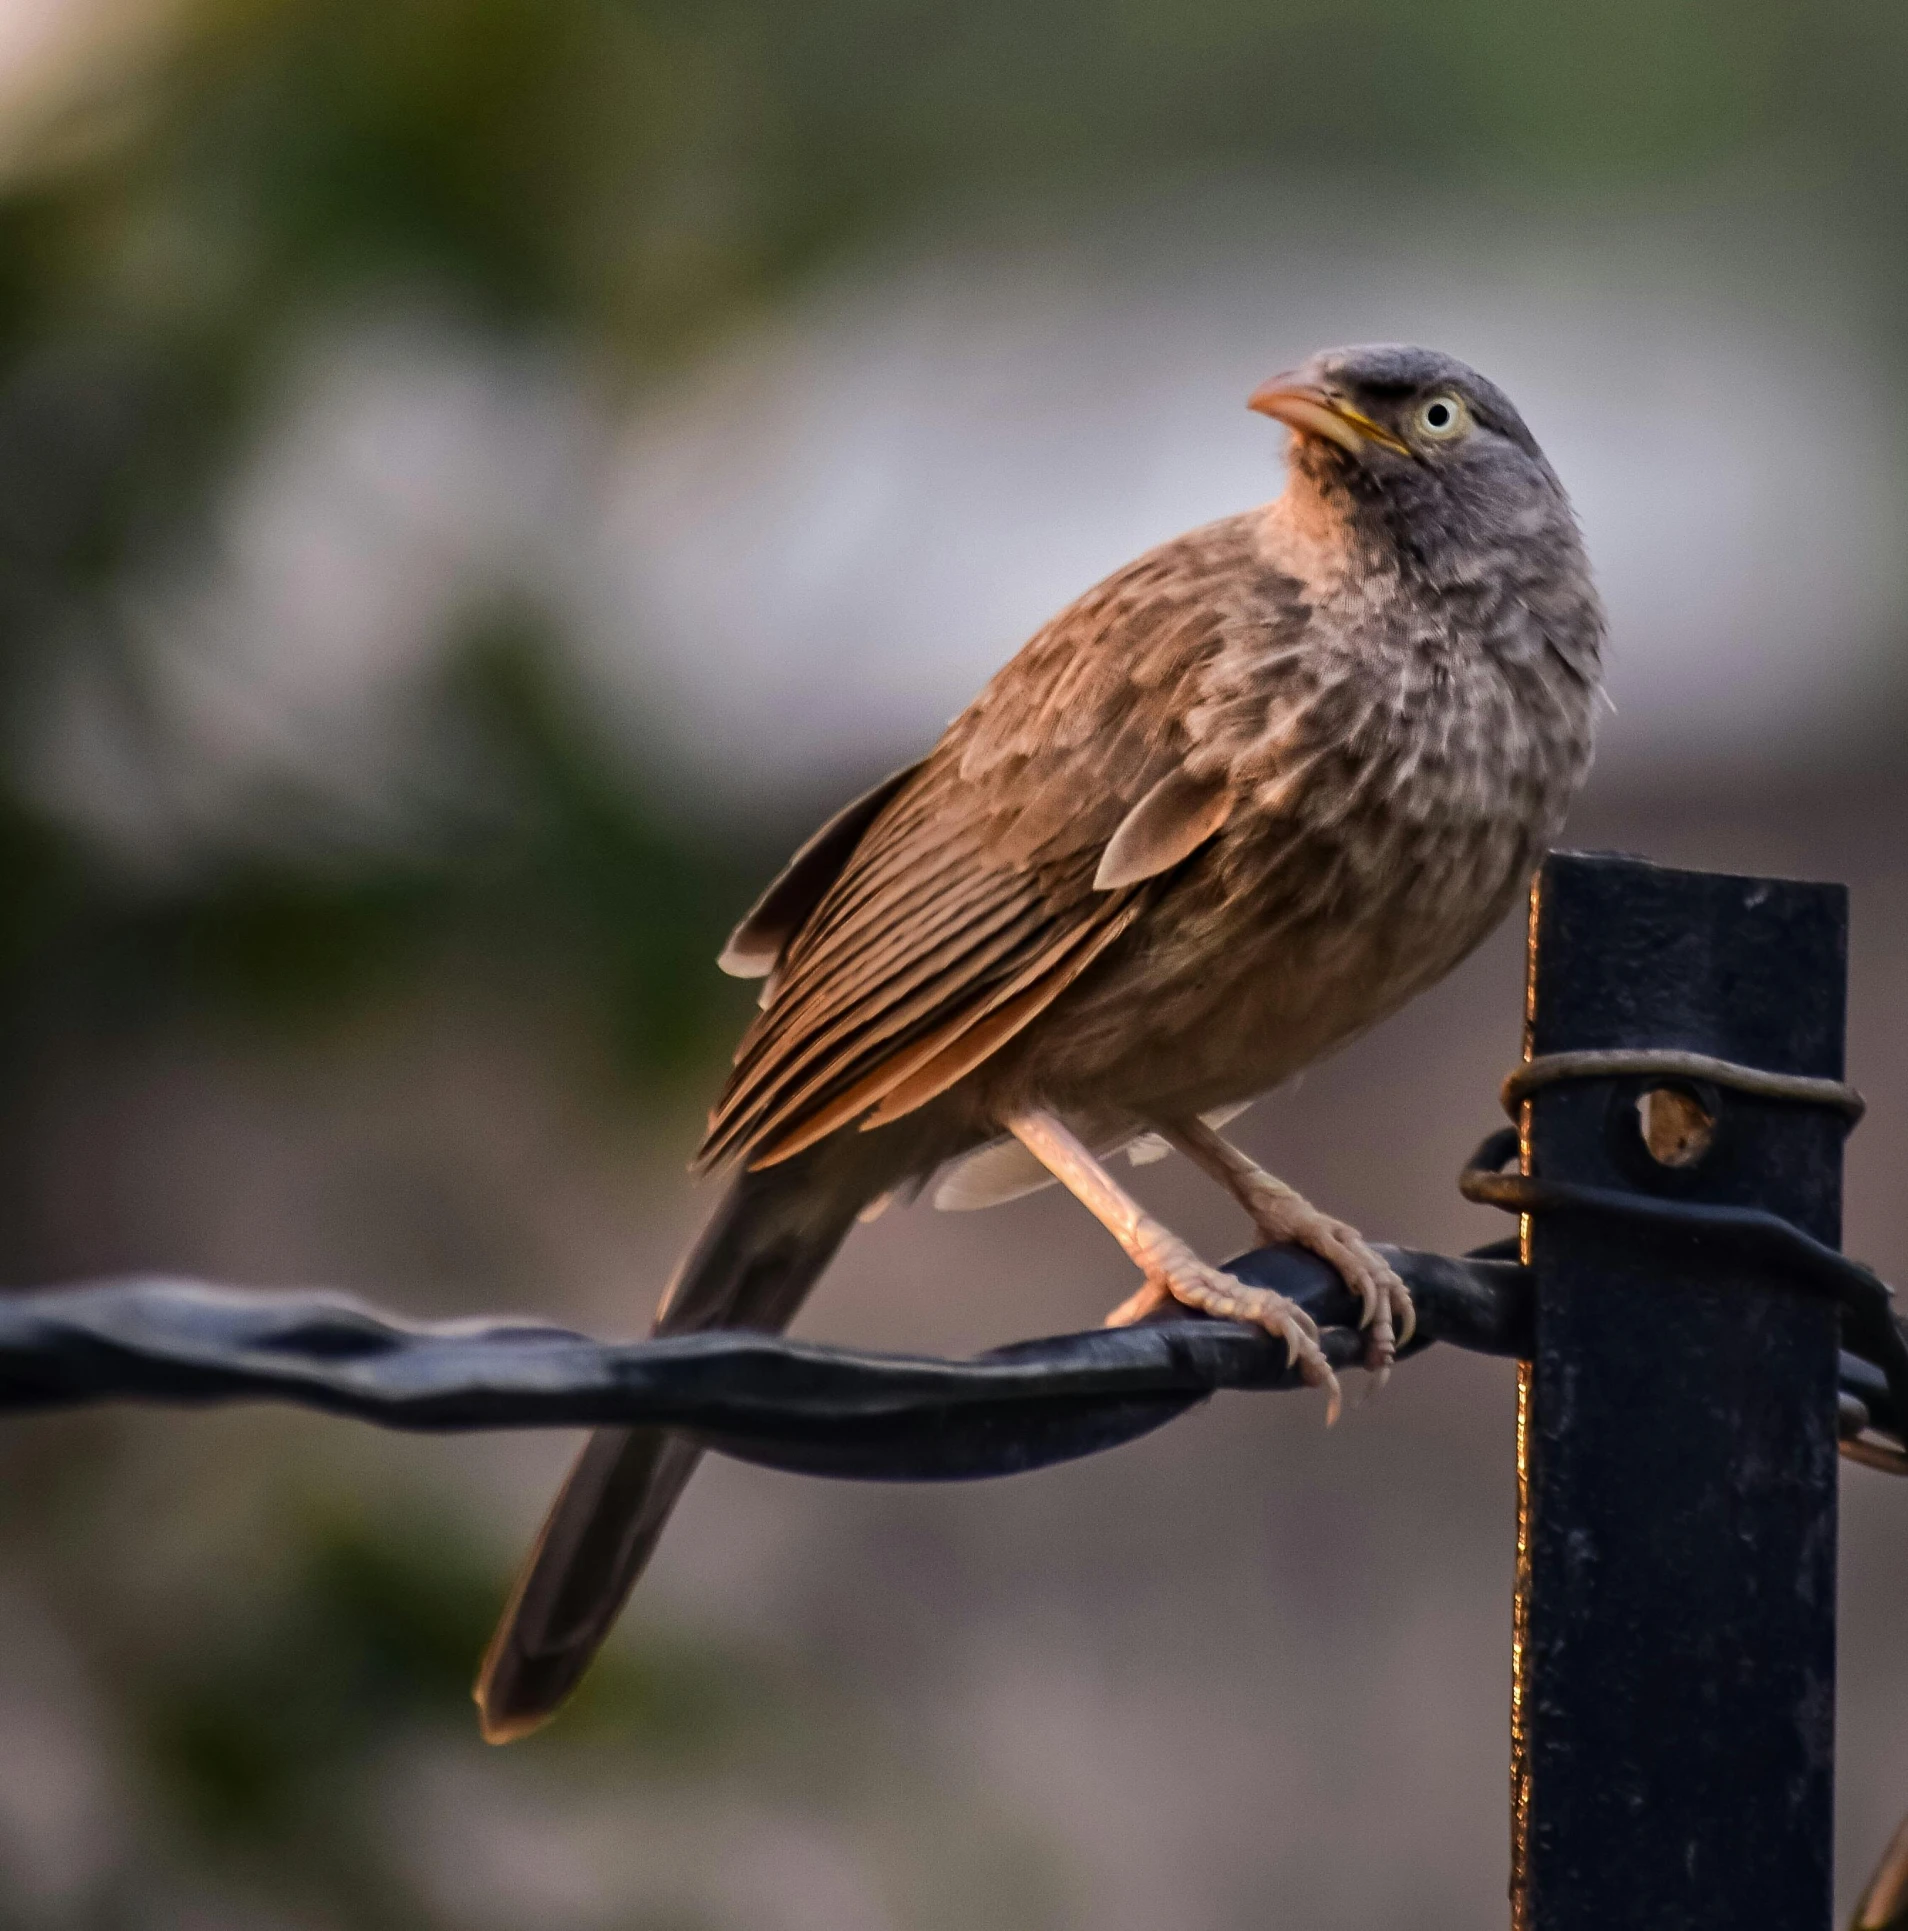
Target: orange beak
[{"x": 1313, "y": 411}]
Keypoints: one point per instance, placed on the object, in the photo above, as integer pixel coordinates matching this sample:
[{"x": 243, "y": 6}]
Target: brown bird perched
[{"x": 1236, "y": 804}]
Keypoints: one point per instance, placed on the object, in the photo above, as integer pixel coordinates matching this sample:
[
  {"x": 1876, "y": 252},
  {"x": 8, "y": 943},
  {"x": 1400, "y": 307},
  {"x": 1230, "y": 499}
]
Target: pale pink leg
[
  {"x": 1280, "y": 1213},
  {"x": 1172, "y": 1270}
]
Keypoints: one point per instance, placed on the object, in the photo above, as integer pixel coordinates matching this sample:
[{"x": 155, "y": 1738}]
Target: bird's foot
[
  {"x": 1282, "y": 1214},
  {"x": 1175, "y": 1273}
]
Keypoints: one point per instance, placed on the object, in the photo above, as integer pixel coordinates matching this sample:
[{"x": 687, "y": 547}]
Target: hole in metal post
[{"x": 1677, "y": 1128}]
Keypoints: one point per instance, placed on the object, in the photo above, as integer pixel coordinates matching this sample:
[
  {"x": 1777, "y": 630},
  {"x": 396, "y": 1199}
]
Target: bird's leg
[
  {"x": 1173, "y": 1271},
  {"x": 1281, "y": 1213}
]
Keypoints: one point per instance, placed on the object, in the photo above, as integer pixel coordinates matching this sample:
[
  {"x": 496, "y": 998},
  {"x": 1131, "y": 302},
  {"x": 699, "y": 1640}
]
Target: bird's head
[{"x": 1420, "y": 447}]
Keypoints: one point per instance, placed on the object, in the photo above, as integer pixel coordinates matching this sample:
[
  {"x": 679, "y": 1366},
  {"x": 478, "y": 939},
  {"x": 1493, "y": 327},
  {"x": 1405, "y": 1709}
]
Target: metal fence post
[{"x": 1674, "y": 1677}]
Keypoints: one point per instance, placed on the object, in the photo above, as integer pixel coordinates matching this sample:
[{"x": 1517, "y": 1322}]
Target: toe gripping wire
[
  {"x": 1874, "y": 1360},
  {"x": 843, "y": 1412}
]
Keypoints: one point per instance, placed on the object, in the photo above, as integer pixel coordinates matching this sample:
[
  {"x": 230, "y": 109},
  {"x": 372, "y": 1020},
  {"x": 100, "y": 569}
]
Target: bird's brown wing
[
  {"x": 756, "y": 945},
  {"x": 969, "y": 904}
]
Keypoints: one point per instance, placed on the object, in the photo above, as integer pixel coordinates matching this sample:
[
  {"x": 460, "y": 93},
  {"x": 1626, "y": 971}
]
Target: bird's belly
[{"x": 1249, "y": 969}]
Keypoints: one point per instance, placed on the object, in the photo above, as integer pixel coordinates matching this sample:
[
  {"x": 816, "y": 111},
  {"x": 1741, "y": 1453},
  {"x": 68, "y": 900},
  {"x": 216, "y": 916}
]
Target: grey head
[{"x": 1436, "y": 474}]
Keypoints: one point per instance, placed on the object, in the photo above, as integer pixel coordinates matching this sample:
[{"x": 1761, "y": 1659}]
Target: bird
[{"x": 1232, "y": 807}]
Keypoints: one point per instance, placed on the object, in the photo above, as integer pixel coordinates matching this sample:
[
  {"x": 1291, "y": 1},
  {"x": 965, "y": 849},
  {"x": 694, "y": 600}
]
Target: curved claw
[
  {"x": 1334, "y": 1398},
  {"x": 1175, "y": 1273},
  {"x": 1407, "y": 1313}
]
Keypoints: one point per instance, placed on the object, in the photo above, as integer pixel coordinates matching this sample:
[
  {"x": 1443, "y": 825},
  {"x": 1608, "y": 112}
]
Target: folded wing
[{"x": 975, "y": 892}]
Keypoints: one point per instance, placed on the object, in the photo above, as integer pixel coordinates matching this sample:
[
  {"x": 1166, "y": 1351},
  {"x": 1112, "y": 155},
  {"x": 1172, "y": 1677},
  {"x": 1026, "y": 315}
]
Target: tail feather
[{"x": 770, "y": 1239}]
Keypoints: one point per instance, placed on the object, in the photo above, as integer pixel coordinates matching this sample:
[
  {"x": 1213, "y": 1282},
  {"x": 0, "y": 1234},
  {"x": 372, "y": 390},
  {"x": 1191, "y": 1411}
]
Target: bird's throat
[{"x": 1306, "y": 535}]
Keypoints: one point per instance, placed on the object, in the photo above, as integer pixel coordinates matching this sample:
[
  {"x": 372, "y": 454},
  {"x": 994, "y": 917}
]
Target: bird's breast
[{"x": 1393, "y": 821}]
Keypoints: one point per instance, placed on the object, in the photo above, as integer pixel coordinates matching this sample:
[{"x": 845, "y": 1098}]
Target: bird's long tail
[{"x": 753, "y": 1266}]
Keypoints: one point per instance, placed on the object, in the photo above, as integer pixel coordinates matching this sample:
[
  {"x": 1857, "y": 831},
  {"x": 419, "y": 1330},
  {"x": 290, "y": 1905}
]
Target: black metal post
[{"x": 1673, "y": 1702}]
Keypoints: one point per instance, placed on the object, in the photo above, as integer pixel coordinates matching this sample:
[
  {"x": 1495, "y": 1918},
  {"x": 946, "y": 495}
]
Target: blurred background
[{"x": 478, "y": 480}]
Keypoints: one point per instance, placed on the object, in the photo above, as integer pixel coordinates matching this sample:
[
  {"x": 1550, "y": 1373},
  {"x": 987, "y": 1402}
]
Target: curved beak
[{"x": 1314, "y": 411}]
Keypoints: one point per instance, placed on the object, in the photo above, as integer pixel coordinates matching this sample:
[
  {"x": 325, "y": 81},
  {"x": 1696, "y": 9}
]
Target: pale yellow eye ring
[{"x": 1442, "y": 417}]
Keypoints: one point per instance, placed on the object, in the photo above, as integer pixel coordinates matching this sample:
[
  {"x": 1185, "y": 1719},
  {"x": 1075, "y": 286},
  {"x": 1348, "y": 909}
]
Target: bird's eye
[{"x": 1441, "y": 417}]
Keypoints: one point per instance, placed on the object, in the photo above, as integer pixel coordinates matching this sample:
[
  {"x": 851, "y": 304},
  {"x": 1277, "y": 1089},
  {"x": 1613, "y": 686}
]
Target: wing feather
[
  {"x": 894, "y": 966},
  {"x": 895, "y": 929},
  {"x": 976, "y": 1039},
  {"x": 759, "y": 941},
  {"x": 932, "y": 1063},
  {"x": 967, "y": 905},
  {"x": 824, "y": 1061}
]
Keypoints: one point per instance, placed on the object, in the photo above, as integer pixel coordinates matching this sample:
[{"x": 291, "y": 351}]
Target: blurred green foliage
[
  {"x": 565, "y": 881},
  {"x": 288, "y": 1682},
  {"x": 631, "y": 179},
  {"x": 269, "y": 1739}
]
